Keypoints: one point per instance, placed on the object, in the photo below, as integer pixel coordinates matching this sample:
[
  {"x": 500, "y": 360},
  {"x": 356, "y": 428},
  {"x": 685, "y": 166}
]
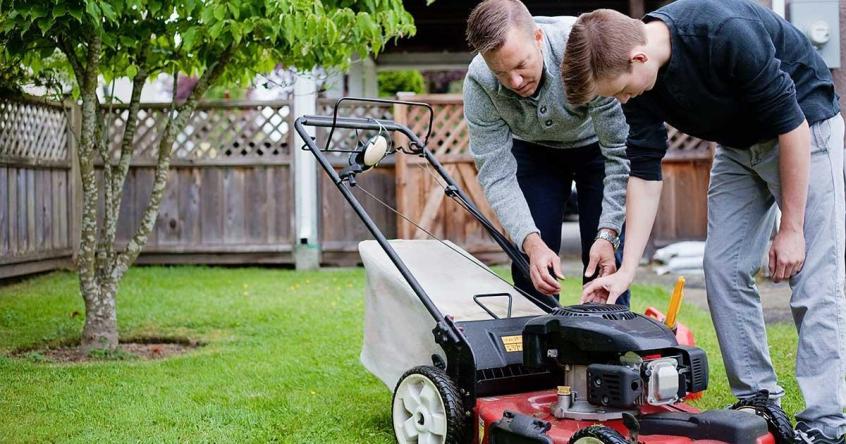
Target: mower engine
[{"x": 613, "y": 361}]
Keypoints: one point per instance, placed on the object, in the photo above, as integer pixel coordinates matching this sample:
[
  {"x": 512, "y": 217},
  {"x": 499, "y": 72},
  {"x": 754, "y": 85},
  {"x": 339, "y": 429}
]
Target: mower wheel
[
  {"x": 597, "y": 434},
  {"x": 427, "y": 408},
  {"x": 778, "y": 422}
]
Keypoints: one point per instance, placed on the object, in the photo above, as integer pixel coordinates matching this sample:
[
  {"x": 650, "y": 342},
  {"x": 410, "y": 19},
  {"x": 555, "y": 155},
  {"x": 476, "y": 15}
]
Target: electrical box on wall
[{"x": 820, "y": 21}]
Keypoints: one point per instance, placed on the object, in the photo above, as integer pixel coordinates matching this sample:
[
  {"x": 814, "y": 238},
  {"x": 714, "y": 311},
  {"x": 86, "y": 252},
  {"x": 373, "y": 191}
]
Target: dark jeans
[{"x": 546, "y": 176}]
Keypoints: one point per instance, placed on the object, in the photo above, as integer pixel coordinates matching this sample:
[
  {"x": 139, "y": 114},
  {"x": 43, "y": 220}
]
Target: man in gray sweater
[{"x": 530, "y": 144}]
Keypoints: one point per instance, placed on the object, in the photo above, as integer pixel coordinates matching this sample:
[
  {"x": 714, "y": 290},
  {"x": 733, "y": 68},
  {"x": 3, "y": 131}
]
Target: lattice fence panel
[
  {"x": 215, "y": 132},
  {"x": 682, "y": 145},
  {"x": 347, "y": 139},
  {"x": 449, "y": 129},
  {"x": 33, "y": 131}
]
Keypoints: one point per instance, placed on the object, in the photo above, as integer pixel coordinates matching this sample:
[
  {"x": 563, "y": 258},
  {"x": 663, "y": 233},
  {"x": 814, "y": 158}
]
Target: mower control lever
[{"x": 493, "y": 295}]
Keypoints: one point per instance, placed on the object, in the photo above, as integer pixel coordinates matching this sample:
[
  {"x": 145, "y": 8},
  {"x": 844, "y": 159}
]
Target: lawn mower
[{"x": 472, "y": 359}]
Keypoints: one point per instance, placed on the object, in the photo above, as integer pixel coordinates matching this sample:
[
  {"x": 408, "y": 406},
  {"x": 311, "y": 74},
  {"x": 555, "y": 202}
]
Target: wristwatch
[{"x": 614, "y": 240}]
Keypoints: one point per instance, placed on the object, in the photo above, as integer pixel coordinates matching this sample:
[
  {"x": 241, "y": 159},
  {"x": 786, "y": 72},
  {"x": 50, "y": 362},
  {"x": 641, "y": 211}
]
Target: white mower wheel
[{"x": 426, "y": 408}]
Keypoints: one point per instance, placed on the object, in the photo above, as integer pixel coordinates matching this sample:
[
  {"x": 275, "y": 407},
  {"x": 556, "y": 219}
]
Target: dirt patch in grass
[{"x": 149, "y": 348}]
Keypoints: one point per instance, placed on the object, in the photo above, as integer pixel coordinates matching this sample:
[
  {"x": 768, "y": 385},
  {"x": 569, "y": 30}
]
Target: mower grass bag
[{"x": 397, "y": 327}]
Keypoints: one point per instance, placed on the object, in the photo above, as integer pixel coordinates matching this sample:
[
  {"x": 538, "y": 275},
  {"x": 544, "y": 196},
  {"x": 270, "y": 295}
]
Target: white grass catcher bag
[{"x": 397, "y": 326}]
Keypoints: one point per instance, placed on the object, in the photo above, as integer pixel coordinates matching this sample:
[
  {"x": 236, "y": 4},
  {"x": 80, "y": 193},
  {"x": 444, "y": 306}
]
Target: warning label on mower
[{"x": 513, "y": 343}]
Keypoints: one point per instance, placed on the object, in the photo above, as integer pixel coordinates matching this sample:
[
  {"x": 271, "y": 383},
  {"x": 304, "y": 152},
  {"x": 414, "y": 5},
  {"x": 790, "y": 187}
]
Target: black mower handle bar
[
  {"x": 387, "y": 102},
  {"x": 390, "y": 125}
]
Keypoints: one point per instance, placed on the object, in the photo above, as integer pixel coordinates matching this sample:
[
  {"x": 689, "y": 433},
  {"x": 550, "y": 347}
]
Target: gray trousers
[{"x": 742, "y": 197}]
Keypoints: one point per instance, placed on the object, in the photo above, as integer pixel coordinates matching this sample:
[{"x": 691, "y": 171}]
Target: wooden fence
[
  {"x": 340, "y": 228},
  {"x": 37, "y": 188},
  {"x": 230, "y": 192},
  {"x": 420, "y": 194},
  {"x": 683, "y": 210}
]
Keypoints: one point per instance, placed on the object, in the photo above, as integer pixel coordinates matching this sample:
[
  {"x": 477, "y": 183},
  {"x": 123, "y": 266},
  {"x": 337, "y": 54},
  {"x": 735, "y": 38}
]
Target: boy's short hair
[
  {"x": 490, "y": 21},
  {"x": 598, "y": 48}
]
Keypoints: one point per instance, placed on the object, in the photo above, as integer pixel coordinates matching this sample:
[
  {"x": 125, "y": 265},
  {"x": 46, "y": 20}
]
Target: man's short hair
[
  {"x": 490, "y": 21},
  {"x": 598, "y": 48}
]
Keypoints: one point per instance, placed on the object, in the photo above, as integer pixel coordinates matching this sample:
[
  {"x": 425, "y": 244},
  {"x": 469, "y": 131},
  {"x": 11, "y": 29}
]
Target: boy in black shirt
[{"x": 734, "y": 72}]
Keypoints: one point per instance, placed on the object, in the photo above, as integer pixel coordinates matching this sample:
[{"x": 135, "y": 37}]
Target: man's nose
[{"x": 515, "y": 79}]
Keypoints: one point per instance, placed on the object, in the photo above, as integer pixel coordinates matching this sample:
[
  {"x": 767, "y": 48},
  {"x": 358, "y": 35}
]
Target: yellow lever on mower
[{"x": 675, "y": 304}]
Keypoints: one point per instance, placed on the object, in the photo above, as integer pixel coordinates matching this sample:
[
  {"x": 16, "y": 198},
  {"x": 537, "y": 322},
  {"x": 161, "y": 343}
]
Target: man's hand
[
  {"x": 601, "y": 259},
  {"x": 541, "y": 260},
  {"x": 606, "y": 289},
  {"x": 787, "y": 254}
]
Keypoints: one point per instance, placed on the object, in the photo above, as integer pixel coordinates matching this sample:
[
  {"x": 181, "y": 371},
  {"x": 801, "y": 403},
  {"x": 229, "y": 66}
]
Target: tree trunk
[{"x": 100, "y": 330}]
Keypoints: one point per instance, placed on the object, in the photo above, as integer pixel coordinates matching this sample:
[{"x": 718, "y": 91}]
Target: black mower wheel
[
  {"x": 426, "y": 407},
  {"x": 778, "y": 422},
  {"x": 597, "y": 434}
]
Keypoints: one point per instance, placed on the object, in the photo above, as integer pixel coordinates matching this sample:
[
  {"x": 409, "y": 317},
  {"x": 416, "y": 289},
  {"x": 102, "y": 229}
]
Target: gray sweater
[{"x": 495, "y": 115}]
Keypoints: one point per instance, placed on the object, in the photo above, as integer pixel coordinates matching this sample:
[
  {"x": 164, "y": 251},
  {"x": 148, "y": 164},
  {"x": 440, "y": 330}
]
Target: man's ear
[
  {"x": 538, "y": 35},
  {"x": 638, "y": 57}
]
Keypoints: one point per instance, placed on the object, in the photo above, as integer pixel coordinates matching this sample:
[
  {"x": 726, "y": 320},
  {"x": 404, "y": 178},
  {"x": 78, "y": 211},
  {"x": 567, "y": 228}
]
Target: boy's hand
[
  {"x": 541, "y": 261},
  {"x": 606, "y": 289},
  {"x": 787, "y": 254}
]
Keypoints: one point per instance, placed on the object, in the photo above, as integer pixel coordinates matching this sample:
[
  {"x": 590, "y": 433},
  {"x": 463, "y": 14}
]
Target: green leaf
[
  {"x": 188, "y": 39},
  {"x": 76, "y": 13},
  {"x": 131, "y": 71},
  {"x": 236, "y": 32},
  {"x": 220, "y": 12},
  {"x": 207, "y": 16},
  {"x": 44, "y": 25},
  {"x": 235, "y": 10},
  {"x": 37, "y": 12},
  {"x": 60, "y": 10},
  {"x": 108, "y": 12},
  {"x": 92, "y": 10},
  {"x": 214, "y": 31}
]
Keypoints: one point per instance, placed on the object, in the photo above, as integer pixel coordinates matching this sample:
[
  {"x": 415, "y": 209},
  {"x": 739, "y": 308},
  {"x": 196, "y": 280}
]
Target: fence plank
[
  {"x": 271, "y": 185},
  {"x": 35, "y": 267},
  {"x": 126, "y": 212},
  {"x": 44, "y": 235},
  {"x": 284, "y": 205},
  {"x": 4, "y": 211},
  {"x": 22, "y": 205},
  {"x": 211, "y": 206},
  {"x": 233, "y": 193},
  {"x": 144, "y": 178},
  {"x": 255, "y": 203},
  {"x": 168, "y": 223},
  {"x": 66, "y": 211},
  {"x": 55, "y": 200},
  {"x": 189, "y": 205}
]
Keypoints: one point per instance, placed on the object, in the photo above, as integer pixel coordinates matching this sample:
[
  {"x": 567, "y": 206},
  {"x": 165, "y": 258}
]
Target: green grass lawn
[{"x": 280, "y": 364}]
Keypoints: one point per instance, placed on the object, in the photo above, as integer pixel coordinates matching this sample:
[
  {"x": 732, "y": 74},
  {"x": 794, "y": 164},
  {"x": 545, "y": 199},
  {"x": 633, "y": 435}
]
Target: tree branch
[
  {"x": 176, "y": 124},
  {"x": 88, "y": 238},
  {"x": 126, "y": 146},
  {"x": 70, "y": 54}
]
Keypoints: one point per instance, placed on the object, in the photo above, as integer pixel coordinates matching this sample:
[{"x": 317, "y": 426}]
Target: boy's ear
[
  {"x": 638, "y": 57},
  {"x": 538, "y": 34}
]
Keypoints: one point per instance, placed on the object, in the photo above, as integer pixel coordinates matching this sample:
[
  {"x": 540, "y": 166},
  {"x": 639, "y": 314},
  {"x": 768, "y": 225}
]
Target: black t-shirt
[{"x": 738, "y": 74}]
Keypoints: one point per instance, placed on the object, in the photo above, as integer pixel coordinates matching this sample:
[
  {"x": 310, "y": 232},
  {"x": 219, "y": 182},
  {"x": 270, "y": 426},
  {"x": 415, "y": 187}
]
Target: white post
[
  {"x": 307, "y": 247},
  {"x": 335, "y": 85},
  {"x": 362, "y": 78},
  {"x": 355, "y": 79},
  {"x": 371, "y": 80}
]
